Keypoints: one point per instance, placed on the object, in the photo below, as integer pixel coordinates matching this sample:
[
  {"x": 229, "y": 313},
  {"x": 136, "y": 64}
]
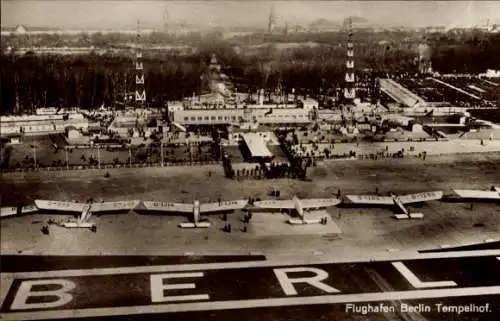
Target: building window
[
  {"x": 193, "y": 118},
  {"x": 213, "y": 117},
  {"x": 226, "y": 118},
  {"x": 220, "y": 117},
  {"x": 207, "y": 118},
  {"x": 233, "y": 117},
  {"x": 200, "y": 118}
]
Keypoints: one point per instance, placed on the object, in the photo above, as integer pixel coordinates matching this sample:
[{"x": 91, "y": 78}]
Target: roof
[{"x": 256, "y": 145}]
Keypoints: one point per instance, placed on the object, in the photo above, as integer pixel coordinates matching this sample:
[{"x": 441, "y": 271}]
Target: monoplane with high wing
[
  {"x": 85, "y": 209},
  {"x": 395, "y": 201},
  {"x": 196, "y": 209},
  {"x": 491, "y": 195},
  {"x": 17, "y": 210},
  {"x": 299, "y": 205}
]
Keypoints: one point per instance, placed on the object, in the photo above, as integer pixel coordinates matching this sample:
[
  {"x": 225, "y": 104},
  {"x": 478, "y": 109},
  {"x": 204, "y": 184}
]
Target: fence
[
  {"x": 359, "y": 156},
  {"x": 107, "y": 166}
]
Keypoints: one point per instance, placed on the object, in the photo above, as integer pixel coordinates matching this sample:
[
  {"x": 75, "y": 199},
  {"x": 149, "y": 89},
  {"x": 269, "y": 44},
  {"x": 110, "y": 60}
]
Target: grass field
[
  {"x": 23, "y": 155},
  {"x": 364, "y": 230}
]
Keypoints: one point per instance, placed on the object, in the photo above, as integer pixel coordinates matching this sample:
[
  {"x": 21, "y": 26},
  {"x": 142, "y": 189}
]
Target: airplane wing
[
  {"x": 8, "y": 211},
  {"x": 468, "y": 193},
  {"x": 168, "y": 207},
  {"x": 59, "y": 206},
  {"x": 319, "y": 202},
  {"x": 113, "y": 206},
  {"x": 11, "y": 211},
  {"x": 420, "y": 197},
  {"x": 277, "y": 204},
  {"x": 368, "y": 199},
  {"x": 222, "y": 206}
]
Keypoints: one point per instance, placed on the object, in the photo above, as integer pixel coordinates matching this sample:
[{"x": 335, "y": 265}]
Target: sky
[{"x": 100, "y": 14}]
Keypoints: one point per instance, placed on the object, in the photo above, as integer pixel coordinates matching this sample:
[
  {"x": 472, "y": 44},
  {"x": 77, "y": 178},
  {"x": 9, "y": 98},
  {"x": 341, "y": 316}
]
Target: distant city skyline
[{"x": 96, "y": 14}]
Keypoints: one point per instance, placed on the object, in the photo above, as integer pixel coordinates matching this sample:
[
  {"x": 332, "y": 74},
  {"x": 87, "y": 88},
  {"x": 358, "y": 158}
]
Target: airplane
[
  {"x": 17, "y": 210},
  {"x": 394, "y": 200},
  {"x": 196, "y": 208},
  {"x": 299, "y": 205},
  {"x": 483, "y": 195},
  {"x": 86, "y": 210}
]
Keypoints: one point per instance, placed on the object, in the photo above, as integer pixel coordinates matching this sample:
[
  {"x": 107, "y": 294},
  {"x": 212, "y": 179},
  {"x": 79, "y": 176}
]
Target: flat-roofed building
[
  {"x": 271, "y": 116},
  {"x": 56, "y": 111},
  {"x": 281, "y": 116},
  {"x": 32, "y": 125},
  {"x": 208, "y": 116},
  {"x": 256, "y": 145}
]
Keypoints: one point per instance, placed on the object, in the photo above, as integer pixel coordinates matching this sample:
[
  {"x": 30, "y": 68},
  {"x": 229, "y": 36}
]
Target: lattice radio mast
[
  {"x": 349, "y": 89},
  {"x": 140, "y": 90}
]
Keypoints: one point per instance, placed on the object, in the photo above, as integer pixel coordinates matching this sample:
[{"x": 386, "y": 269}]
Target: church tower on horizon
[{"x": 272, "y": 20}]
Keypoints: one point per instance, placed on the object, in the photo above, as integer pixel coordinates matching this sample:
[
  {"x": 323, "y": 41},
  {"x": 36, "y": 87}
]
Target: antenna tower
[
  {"x": 349, "y": 90},
  {"x": 140, "y": 90}
]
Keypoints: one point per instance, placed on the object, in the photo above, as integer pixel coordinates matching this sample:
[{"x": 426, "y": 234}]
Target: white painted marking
[
  {"x": 158, "y": 288},
  {"x": 287, "y": 283},
  {"x": 5, "y": 284},
  {"x": 239, "y": 265},
  {"x": 415, "y": 281},
  {"x": 25, "y": 291},
  {"x": 248, "y": 304}
]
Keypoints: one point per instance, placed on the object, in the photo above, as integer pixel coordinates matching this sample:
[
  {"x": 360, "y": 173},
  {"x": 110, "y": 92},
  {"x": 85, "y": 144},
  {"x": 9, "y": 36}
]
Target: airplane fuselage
[{"x": 196, "y": 211}]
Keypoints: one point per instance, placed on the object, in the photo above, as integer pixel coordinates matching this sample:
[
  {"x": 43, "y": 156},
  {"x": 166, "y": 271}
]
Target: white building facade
[{"x": 32, "y": 125}]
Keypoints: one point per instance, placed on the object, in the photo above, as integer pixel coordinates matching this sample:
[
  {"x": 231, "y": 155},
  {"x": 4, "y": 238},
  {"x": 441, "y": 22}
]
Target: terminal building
[
  {"x": 241, "y": 116},
  {"x": 252, "y": 114}
]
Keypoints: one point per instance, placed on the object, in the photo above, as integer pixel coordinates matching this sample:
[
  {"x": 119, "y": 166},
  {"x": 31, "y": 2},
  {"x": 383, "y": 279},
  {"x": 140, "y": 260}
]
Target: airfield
[{"x": 350, "y": 233}]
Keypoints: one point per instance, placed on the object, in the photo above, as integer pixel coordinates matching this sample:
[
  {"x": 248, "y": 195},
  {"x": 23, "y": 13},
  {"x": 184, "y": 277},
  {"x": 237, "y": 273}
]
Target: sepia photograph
[{"x": 250, "y": 160}]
